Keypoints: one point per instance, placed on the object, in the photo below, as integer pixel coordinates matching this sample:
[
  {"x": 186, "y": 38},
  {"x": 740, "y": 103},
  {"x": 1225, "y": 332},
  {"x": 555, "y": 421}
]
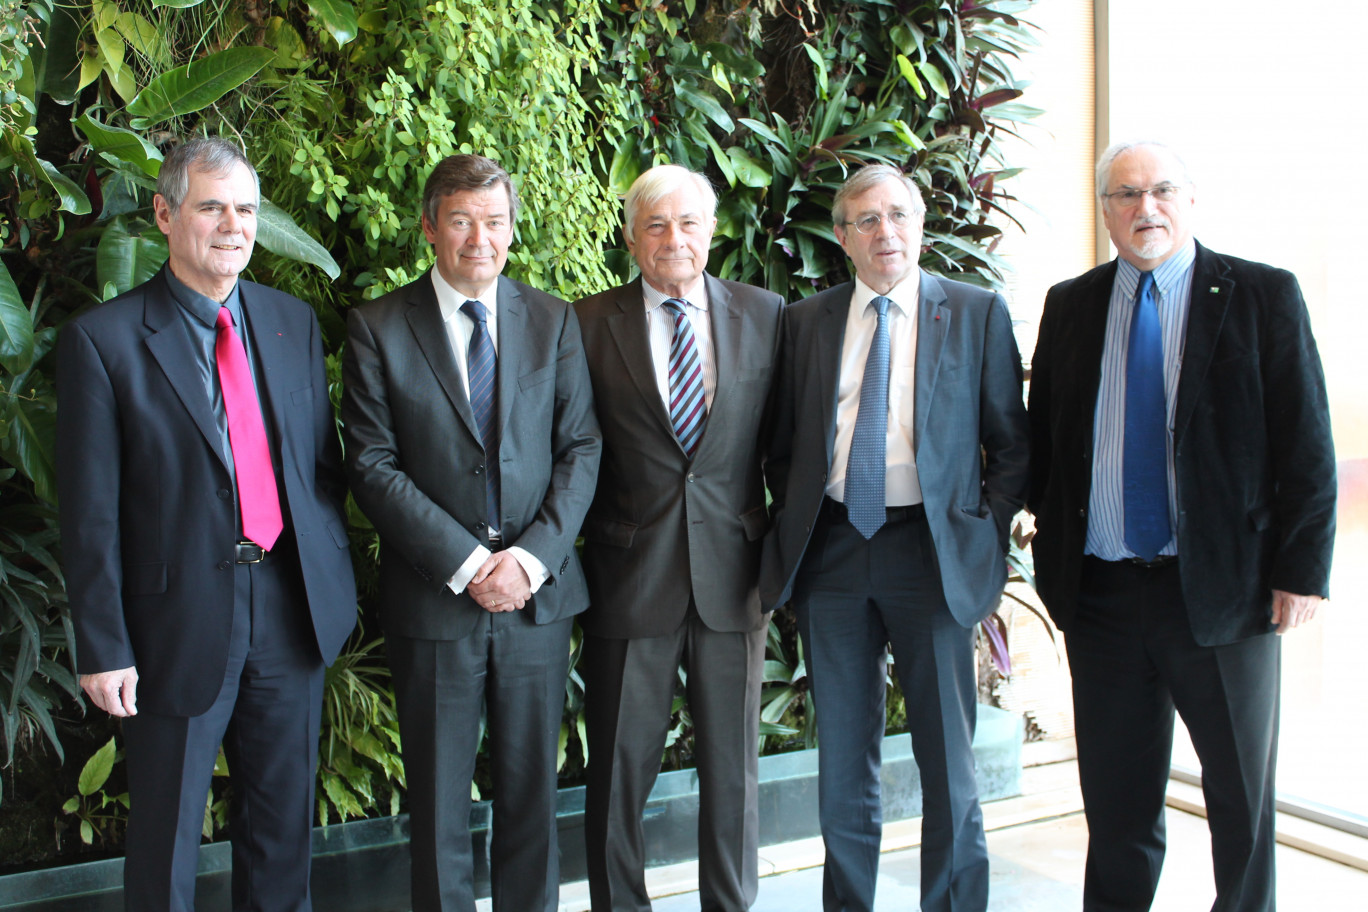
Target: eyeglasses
[
  {"x": 870, "y": 223},
  {"x": 1129, "y": 196}
]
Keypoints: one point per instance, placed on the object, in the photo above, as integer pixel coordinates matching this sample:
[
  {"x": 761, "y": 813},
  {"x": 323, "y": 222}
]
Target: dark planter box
[{"x": 364, "y": 867}]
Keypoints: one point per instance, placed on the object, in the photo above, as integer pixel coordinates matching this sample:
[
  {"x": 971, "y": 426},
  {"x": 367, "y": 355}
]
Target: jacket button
[
  {"x": 224, "y": 565},
  {"x": 690, "y": 476},
  {"x": 479, "y": 469},
  {"x": 480, "y": 526},
  {"x": 1082, "y": 512},
  {"x": 224, "y": 494}
]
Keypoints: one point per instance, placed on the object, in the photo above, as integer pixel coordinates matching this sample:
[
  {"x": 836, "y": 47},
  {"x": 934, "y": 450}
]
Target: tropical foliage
[{"x": 345, "y": 105}]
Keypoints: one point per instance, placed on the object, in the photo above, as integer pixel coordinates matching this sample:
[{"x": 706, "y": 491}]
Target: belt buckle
[{"x": 249, "y": 552}]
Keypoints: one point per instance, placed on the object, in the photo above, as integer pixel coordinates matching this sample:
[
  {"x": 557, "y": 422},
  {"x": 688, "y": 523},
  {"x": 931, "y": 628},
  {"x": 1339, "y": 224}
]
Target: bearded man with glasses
[{"x": 1183, "y": 481}]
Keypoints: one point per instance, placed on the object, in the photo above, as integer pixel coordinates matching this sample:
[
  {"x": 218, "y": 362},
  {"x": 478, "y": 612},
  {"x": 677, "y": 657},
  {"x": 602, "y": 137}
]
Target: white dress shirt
[
  {"x": 660, "y": 327},
  {"x": 459, "y": 328},
  {"x": 901, "y": 486}
]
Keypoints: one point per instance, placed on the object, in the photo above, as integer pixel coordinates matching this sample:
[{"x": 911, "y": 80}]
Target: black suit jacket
[
  {"x": 968, "y": 432},
  {"x": 416, "y": 462},
  {"x": 1254, "y": 459},
  {"x": 147, "y": 508},
  {"x": 662, "y": 527}
]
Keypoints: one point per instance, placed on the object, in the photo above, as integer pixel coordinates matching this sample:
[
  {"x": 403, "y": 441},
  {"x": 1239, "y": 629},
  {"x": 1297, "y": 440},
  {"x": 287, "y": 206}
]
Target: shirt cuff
[
  {"x": 466, "y": 572},
  {"x": 536, "y": 571}
]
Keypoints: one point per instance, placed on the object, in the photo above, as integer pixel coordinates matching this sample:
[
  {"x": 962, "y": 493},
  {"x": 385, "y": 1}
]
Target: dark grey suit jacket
[
  {"x": 1252, "y": 449},
  {"x": 147, "y": 507},
  {"x": 969, "y": 436},
  {"x": 417, "y": 466},
  {"x": 662, "y": 528}
]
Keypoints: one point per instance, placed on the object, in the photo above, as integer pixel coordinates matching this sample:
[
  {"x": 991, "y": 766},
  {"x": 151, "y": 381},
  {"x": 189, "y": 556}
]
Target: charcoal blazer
[
  {"x": 416, "y": 462},
  {"x": 661, "y": 528},
  {"x": 969, "y": 436},
  {"x": 148, "y": 514},
  {"x": 1253, "y": 455}
]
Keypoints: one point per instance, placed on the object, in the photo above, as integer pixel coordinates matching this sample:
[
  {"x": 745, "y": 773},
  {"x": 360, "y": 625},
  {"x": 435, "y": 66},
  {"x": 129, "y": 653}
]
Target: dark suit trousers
[
  {"x": 854, "y": 597},
  {"x": 628, "y": 698},
  {"x": 1134, "y": 659},
  {"x": 267, "y": 718},
  {"x": 515, "y": 670}
]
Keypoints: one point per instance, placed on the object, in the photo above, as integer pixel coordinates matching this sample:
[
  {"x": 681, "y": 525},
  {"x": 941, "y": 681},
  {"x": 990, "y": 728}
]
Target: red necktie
[{"x": 256, "y": 480}]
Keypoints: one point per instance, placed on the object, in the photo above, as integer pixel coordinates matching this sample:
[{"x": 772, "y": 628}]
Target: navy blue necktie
[
  {"x": 865, "y": 470},
  {"x": 481, "y": 363},
  {"x": 1145, "y": 466},
  {"x": 688, "y": 405}
]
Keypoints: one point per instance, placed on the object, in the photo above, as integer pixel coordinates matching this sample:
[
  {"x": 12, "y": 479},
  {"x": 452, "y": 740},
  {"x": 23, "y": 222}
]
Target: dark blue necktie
[
  {"x": 864, "y": 481},
  {"x": 480, "y": 365},
  {"x": 1146, "y": 451}
]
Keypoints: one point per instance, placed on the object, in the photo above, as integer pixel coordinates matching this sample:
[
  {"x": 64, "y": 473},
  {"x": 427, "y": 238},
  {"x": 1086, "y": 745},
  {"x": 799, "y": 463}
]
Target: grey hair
[
  {"x": 1104, "y": 164},
  {"x": 654, "y": 184},
  {"x": 867, "y": 177},
  {"x": 207, "y": 154}
]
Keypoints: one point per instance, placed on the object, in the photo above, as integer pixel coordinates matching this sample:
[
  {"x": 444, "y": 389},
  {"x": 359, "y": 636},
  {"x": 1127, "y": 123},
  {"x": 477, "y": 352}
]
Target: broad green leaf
[
  {"x": 289, "y": 47},
  {"x": 337, "y": 16},
  {"x": 92, "y": 65},
  {"x": 719, "y": 76},
  {"x": 934, "y": 78},
  {"x": 910, "y": 74},
  {"x": 112, "y": 46},
  {"x": 124, "y": 259},
  {"x": 817, "y": 61},
  {"x": 124, "y": 145},
  {"x": 704, "y": 102},
  {"x": 28, "y": 446},
  {"x": 87, "y": 833},
  {"x": 96, "y": 771},
  {"x": 196, "y": 85},
  {"x": 278, "y": 233},
  {"x": 176, "y": 4},
  {"x": 761, "y": 130},
  {"x": 748, "y": 170},
  {"x": 141, "y": 35},
  {"x": 16, "y": 326},
  {"x": 626, "y": 166},
  {"x": 73, "y": 197},
  {"x": 53, "y": 55}
]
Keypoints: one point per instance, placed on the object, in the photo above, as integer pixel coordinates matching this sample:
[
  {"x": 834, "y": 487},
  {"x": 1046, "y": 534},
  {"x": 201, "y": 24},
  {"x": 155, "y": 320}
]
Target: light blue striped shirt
[{"x": 1106, "y": 509}]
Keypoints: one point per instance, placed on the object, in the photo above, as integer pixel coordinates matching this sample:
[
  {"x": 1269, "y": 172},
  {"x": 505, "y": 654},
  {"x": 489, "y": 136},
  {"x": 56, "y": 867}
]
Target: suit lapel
[
  {"x": 828, "y": 338},
  {"x": 933, "y": 324},
  {"x": 512, "y": 341},
  {"x": 170, "y": 344},
  {"x": 425, "y": 321},
  {"x": 628, "y": 329},
  {"x": 1212, "y": 289},
  {"x": 725, "y": 322},
  {"x": 1089, "y": 320},
  {"x": 278, "y": 370}
]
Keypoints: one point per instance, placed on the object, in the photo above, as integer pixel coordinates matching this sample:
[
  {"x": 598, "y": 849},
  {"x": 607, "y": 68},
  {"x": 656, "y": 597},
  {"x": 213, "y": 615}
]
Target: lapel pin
[{"x": 1215, "y": 289}]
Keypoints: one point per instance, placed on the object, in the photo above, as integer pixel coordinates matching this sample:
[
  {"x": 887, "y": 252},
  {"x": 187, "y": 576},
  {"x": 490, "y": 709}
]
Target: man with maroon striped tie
[{"x": 681, "y": 364}]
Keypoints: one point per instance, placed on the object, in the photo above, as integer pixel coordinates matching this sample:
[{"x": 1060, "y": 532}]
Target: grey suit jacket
[
  {"x": 969, "y": 436},
  {"x": 663, "y": 527},
  {"x": 416, "y": 464}
]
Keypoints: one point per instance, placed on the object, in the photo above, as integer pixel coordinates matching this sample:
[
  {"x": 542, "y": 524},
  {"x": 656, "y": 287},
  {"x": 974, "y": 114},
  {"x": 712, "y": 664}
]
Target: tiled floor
[{"x": 1037, "y": 845}]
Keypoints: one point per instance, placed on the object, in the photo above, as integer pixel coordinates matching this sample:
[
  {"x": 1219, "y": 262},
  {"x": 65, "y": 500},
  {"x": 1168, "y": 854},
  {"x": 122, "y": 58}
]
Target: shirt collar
[
  {"x": 449, "y": 300},
  {"x": 1167, "y": 274},
  {"x": 202, "y": 307},
  {"x": 697, "y": 296},
  {"x": 903, "y": 295}
]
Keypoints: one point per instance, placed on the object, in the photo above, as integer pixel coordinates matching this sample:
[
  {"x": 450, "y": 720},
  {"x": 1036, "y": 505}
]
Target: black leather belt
[
  {"x": 1163, "y": 560},
  {"x": 249, "y": 553},
  {"x": 835, "y": 511}
]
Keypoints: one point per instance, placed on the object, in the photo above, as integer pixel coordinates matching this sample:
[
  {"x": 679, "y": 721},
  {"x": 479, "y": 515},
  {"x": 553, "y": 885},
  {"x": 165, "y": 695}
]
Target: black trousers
[
  {"x": 854, "y": 599},
  {"x": 1134, "y": 660},
  {"x": 629, "y": 693},
  {"x": 513, "y": 670},
  {"x": 267, "y": 717}
]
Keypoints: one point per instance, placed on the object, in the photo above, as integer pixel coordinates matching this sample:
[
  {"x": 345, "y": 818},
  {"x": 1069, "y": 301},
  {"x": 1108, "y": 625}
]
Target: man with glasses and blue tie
[
  {"x": 899, "y": 460},
  {"x": 1183, "y": 482},
  {"x": 472, "y": 447}
]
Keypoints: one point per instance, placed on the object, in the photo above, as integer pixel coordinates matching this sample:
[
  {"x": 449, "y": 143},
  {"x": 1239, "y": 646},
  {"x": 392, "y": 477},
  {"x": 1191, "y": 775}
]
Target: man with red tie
[{"x": 204, "y": 539}]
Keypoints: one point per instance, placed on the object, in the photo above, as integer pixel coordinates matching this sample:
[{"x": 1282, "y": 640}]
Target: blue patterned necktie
[
  {"x": 864, "y": 481},
  {"x": 688, "y": 407},
  {"x": 1145, "y": 466},
  {"x": 481, "y": 363}
]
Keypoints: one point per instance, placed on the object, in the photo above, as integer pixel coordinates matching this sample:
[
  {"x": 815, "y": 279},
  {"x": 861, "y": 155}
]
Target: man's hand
[
  {"x": 1293, "y": 610},
  {"x": 501, "y": 584},
  {"x": 116, "y": 692}
]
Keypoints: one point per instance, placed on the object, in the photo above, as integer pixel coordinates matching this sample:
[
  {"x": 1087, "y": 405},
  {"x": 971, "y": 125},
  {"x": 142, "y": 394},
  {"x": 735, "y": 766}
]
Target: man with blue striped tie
[
  {"x": 682, "y": 364},
  {"x": 1183, "y": 481}
]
